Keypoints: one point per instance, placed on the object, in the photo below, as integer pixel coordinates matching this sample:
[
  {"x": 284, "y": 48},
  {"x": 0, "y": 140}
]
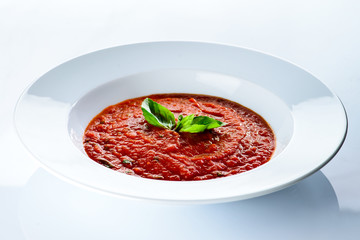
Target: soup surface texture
[{"x": 121, "y": 139}]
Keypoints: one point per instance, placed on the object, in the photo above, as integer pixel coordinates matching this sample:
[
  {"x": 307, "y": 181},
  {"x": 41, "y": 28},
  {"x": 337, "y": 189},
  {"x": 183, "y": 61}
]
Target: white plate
[{"x": 309, "y": 121}]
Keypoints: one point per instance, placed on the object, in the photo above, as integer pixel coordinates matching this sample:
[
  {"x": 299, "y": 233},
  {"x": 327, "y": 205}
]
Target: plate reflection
[{"x": 50, "y": 208}]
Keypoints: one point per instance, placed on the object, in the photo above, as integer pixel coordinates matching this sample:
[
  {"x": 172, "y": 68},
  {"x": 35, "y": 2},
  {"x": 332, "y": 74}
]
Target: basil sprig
[{"x": 159, "y": 116}]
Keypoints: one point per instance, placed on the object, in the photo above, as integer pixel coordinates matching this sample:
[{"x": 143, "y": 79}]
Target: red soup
[{"x": 121, "y": 139}]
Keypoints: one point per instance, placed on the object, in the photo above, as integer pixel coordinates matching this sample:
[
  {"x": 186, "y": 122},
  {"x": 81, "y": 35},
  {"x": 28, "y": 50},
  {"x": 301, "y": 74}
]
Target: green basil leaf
[
  {"x": 208, "y": 121},
  {"x": 184, "y": 121},
  {"x": 157, "y": 115},
  {"x": 197, "y": 124},
  {"x": 194, "y": 128}
]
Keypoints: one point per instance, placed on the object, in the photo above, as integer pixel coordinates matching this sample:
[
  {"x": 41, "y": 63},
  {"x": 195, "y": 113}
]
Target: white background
[{"x": 320, "y": 36}]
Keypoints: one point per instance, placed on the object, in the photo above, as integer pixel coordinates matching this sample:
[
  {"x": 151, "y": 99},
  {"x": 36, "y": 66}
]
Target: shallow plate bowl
[{"x": 309, "y": 120}]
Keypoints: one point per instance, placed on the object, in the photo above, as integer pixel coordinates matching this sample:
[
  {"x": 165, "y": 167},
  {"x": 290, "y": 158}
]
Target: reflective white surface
[
  {"x": 288, "y": 212},
  {"x": 321, "y": 36}
]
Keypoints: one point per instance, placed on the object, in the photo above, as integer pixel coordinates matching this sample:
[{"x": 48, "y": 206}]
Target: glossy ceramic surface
[{"x": 308, "y": 119}]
